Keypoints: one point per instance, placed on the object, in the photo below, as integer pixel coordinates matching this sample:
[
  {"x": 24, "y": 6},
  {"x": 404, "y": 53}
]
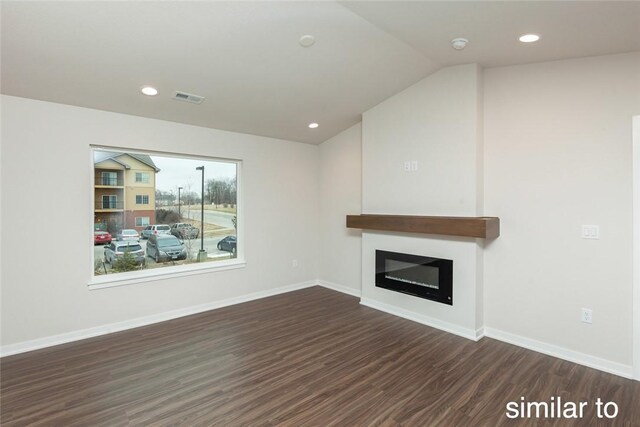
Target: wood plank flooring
[{"x": 308, "y": 358}]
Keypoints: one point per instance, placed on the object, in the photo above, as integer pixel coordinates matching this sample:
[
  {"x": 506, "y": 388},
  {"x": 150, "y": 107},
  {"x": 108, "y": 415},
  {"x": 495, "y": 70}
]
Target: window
[
  {"x": 178, "y": 210},
  {"x": 109, "y": 202},
  {"x": 142, "y": 177},
  {"x": 109, "y": 178},
  {"x": 142, "y": 199},
  {"x": 142, "y": 221}
]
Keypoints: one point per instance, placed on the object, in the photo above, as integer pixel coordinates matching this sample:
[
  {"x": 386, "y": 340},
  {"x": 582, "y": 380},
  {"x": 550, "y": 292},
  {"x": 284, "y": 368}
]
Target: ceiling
[{"x": 245, "y": 59}]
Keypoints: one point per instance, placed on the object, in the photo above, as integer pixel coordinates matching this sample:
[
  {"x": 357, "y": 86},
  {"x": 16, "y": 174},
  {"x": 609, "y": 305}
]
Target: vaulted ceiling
[{"x": 246, "y": 60}]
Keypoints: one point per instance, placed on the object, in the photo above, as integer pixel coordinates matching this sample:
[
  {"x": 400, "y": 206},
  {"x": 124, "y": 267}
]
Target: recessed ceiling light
[
  {"x": 307, "y": 40},
  {"x": 529, "y": 38},
  {"x": 313, "y": 125},
  {"x": 149, "y": 91},
  {"x": 459, "y": 43}
]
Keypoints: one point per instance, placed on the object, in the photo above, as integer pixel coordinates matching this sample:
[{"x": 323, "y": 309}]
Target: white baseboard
[
  {"x": 528, "y": 343},
  {"x": 471, "y": 334},
  {"x": 561, "y": 353},
  {"x": 39, "y": 343},
  {"x": 340, "y": 288},
  {"x": 594, "y": 362}
]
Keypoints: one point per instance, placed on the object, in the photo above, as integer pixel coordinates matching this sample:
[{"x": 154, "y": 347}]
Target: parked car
[
  {"x": 228, "y": 244},
  {"x": 155, "y": 229},
  {"x": 183, "y": 230},
  {"x": 101, "y": 237},
  {"x": 162, "y": 247},
  {"x": 116, "y": 250},
  {"x": 128, "y": 235}
]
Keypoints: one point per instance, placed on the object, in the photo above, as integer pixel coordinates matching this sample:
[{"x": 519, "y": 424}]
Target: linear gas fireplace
[{"x": 420, "y": 276}]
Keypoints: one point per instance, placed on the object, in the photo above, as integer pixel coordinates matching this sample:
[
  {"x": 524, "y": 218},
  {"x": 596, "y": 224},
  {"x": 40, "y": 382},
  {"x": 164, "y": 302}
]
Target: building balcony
[
  {"x": 109, "y": 206},
  {"x": 108, "y": 182}
]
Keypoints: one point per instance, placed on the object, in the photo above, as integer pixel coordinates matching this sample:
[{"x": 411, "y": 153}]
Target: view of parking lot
[{"x": 193, "y": 246}]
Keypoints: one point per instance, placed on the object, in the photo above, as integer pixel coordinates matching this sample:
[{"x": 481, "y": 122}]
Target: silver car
[
  {"x": 116, "y": 250},
  {"x": 155, "y": 229},
  {"x": 128, "y": 234}
]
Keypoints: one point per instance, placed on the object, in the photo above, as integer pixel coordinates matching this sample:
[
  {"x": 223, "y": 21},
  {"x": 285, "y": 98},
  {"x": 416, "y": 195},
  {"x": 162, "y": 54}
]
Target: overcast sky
[{"x": 176, "y": 172}]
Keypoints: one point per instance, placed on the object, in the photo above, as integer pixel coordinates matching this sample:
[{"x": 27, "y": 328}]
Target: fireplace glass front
[{"x": 420, "y": 276}]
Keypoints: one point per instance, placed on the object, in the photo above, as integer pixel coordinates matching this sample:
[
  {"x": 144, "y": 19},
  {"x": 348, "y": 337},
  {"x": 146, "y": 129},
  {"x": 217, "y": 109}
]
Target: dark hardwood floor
[{"x": 308, "y": 358}]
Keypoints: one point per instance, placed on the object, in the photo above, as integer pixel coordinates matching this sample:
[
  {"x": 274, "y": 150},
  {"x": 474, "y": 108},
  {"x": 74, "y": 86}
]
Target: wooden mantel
[{"x": 470, "y": 226}]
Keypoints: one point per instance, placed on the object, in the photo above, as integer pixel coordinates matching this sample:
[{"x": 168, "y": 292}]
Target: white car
[
  {"x": 155, "y": 229},
  {"x": 128, "y": 234}
]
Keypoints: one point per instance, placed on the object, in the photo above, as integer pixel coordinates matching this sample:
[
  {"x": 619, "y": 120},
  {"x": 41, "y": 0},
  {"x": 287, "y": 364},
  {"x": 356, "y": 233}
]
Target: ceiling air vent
[{"x": 187, "y": 97}]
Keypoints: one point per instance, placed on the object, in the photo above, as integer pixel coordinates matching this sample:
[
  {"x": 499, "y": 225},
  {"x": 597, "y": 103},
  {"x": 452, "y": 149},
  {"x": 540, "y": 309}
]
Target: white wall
[
  {"x": 46, "y": 198},
  {"x": 558, "y": 155},
  {"x": 437, "y": 123},
  {"x": 340, "y": 195}
]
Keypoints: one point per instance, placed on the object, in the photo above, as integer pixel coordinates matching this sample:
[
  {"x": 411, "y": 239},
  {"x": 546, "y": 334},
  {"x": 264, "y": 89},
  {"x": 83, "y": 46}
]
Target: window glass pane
[
  {"x": 142, "y": 177},
  {"x": 136, "y": 190},
  {"x": 142, "y": 199},
  {"x": 109, "y": 178},
  {"x": 142, "y": 221},
  {"x": 109, "y": 202}
]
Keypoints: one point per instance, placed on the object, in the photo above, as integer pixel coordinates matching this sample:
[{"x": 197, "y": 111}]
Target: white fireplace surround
[
  {"x": 437, "y": 124},
  {"x": 464, "y": 317}
]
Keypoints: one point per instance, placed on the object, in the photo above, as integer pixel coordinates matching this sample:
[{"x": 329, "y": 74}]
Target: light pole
[
  {"x": 179, "y": 188},
  {"x": 202, "y": 255}
]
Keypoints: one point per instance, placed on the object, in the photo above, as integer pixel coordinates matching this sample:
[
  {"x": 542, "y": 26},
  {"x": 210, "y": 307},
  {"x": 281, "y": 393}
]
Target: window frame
[
  {"x": 142, "y": 198},
  {"x": 142, "y": 177},
  {"x": 107, "y": 174},
  {"x": 109, "y": 205},
  {"x": 169, "y": 272},
  {"x": 142, "y": 222}
]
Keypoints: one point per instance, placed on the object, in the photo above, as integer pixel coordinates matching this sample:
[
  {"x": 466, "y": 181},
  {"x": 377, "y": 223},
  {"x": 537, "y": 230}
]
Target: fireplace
[{"x": 420, "y": 276}]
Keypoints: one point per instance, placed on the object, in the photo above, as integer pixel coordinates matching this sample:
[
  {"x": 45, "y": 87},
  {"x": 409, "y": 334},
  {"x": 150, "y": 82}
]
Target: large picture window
[{"x": 174, "y": 213}]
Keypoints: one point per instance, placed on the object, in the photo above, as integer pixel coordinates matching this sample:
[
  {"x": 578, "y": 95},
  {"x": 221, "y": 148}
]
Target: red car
[{"x": 101, "y": 237}]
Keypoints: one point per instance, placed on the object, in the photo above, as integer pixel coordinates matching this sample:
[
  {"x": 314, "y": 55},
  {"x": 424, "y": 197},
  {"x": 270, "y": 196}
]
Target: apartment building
[{"x": 124, "y": 191}]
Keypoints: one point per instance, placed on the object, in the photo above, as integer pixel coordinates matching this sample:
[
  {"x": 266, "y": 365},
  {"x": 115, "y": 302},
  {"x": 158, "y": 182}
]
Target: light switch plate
[{"x": 590, "y": 232}]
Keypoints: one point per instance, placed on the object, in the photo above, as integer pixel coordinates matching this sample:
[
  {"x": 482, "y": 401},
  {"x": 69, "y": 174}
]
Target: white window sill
[{"x": 130, "y": 278}]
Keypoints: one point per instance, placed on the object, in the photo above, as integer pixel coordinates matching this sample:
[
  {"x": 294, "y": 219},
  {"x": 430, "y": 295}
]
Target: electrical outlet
[
  {"x": 587, "y": 315},
  {"x": 406, "y": 166},
  {"x": 294, "y": 263},
  {"x": 414, "y": 165}
]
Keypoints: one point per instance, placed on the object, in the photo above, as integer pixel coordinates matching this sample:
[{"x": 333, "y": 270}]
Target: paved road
[{"x": 222, "y": 219}]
